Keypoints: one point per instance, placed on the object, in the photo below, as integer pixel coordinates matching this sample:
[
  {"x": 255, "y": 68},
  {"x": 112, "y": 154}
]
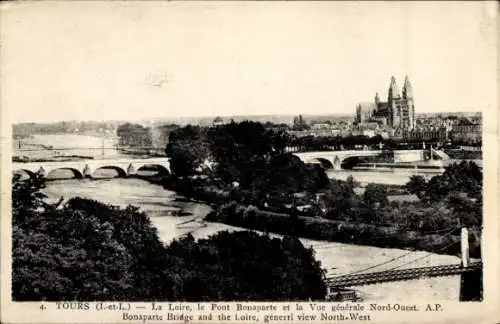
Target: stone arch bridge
[
  {"x": 333, "y": 159},
  {"x": 86, "y": 168},
  {"x": 129, "y": 166}
]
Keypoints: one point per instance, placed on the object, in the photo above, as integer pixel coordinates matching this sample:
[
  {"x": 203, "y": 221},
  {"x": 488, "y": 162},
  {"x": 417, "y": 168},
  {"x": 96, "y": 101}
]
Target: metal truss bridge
[{"x": 400, "y": 275}]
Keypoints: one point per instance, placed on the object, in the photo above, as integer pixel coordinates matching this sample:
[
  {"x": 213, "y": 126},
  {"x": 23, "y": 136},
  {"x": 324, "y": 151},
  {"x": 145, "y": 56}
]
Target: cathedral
[{"x": 397, "y": 112}]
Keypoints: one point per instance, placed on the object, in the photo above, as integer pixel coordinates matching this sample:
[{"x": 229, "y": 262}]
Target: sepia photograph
[{"x": 227, "y": 152}]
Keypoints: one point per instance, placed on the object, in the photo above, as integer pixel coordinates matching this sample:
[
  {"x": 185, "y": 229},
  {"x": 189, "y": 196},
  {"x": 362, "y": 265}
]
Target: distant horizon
[{"x": 249, "y": 116}]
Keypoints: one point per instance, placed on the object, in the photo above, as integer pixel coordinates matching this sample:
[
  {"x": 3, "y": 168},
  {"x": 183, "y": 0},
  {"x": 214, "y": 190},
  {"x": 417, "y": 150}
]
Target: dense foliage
[
  {"x": 460, "y": 187},
  {"x": 188, "y": 149},
  {"x": 375, "y": 195},
  {"x": 241, "y": 148},
  {"x": 86, "y": 250},
  {"x": 339, "y": 214},
  {"x": 346, "y": 231},
  {"x": 246, "y": 154},
  {"x": 278, "y": 180},
  {"x": 244, "y": 266}
]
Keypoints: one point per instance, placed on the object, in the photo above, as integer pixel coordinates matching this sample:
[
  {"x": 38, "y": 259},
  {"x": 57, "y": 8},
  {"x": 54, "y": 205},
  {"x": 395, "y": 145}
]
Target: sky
[{"x": 133, "y": 60}]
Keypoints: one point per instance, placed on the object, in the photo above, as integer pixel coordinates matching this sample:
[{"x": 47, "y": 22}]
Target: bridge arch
[
  {"x": 153, "y": 167},
  {"x": 351, "y": 161},
  {"x": 76, "y": 173},
  {"x": 121, "y": 172},
  {"x": 29, "y": 173},
  {"x": 325, "y": 163}
]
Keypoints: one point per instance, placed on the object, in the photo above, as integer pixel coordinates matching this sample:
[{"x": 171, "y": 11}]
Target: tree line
[{"x": 22, "y": 130}]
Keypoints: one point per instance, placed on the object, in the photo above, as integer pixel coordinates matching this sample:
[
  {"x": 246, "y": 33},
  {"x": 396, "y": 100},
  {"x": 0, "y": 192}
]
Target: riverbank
[
  {"x": 340, "y": 231},
  {"x": 227, "y": 211}
]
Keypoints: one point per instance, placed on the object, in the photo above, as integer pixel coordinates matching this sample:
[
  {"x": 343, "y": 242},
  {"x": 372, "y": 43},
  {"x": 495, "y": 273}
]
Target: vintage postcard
[{"x": 249, "y": 162}]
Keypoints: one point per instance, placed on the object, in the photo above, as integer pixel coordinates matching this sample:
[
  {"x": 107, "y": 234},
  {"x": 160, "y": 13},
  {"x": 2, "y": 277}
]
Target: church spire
[
  {"x": 407, "y": 89},
  {"x": 393, "y": 89}
]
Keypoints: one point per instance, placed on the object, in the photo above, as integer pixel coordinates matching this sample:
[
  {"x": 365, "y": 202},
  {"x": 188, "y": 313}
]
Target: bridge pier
[
  {"x": 41, "y": 171},
  {"x": 337, "y": 165},
  {"x": 87, "y": 172},
  {"x": 131, "y": 170},
  {"x": 471, "y": 283}
]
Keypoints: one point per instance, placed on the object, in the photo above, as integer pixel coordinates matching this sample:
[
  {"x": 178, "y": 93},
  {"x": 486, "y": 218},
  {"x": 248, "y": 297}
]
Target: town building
[
  {"x": 426, "y": 134},
  {"x": 321, "y": 126},
  {"x": 466, "y": 131},
  {"x": 397, "y": 112}
]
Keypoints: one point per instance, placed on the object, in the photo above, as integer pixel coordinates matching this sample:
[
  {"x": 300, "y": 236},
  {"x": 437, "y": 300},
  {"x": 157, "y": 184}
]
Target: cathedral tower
[
  {"x": 408, "y": 97},
  {"x": 407, "y": 89},
  {"x": 394, "y": 110},
  {"x": 393, "y": 89}
]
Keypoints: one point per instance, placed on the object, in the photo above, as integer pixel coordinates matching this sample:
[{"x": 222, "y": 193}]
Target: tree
[
  {"x": 286, "y": 173},
  {"x": 375, "y": 194},
  {"x": 161, "y": 134},
  {"x": 188, "y": 149},
  {"x": 468, "y": 212},
  {"x": 26, "y": 197},
  {"x": 340, "y": 200},
  {"x": 417, "y": 186},
  {"x": 238, "y": 148},
  {"x": 186, "y": 157},
  {"x": 464, "y": 177}
]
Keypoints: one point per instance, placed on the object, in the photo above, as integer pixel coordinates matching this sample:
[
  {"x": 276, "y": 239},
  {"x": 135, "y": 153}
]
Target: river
[
  {"x": 36, "y": 146},
  {"x": 336, "y": 258}
]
